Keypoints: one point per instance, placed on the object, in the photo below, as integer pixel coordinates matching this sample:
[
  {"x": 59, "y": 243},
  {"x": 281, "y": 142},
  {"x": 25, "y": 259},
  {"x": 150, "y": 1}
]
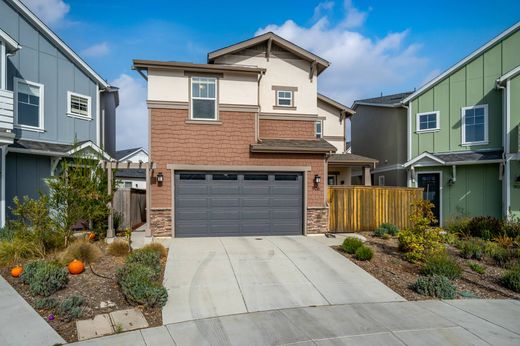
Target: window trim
[
  {"x": 437, "y": 122},
  {"x": 316, "y": 130},
  {"x": 278, "y": 91},
  {"x": 216, "y": 115},
  {"x": 486, "y": 125},
  {"x": 381, "y": 180},
  {"x": 69, "y": 106},
  {"x": 41, "y": 112}
]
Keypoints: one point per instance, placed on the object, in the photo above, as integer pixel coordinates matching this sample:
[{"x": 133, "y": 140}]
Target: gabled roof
[
  {"x": 341, "y": 107},
  {"x": 513, "y": 73},
  {"x": 121, "y": 155},
  {"x": 322, "y": 64},
  {"x": 461, "y": 63},
  {"x": 11, "y": 44},
  {"x": 351, "y": 160},
  {"x": 51, "y": 36},
  {"x": 55, "y": 149},
  {"x": 393, "y": 100},
  {"x": 456, "y": 158}
]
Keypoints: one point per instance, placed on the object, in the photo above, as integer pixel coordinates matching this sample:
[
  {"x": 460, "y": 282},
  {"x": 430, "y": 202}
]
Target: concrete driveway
[{"x": 210, "y": 277}]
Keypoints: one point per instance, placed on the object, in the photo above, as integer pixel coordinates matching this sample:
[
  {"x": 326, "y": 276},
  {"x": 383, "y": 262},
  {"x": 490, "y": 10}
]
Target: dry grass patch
[
  {"x": 82, "y": 250},
  {"x": 118, "y": 248}
]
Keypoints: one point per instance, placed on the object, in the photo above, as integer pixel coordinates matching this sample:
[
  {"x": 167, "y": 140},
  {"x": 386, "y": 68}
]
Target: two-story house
[
  {"x": 50, "y": 99},
  {"x": 241, "y": 144},
  {"x": 463, "y": 133}
]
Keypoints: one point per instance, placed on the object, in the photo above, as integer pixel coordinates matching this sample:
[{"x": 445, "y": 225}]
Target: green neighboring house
[{"x": 463, "y": 138}]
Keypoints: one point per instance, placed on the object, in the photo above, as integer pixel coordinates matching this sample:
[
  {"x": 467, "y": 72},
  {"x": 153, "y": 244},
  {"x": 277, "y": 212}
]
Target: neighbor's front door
[{"x": 431, "y": 183}]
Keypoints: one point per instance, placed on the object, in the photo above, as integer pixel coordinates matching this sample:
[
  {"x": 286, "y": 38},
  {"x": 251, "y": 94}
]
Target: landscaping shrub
[
  {"x": 511, "y": 226},
  {"x": 156, "y": 247},
  {"x": 44, "y": 278},
  {"x": 485, "y": 227},
  {"x": 441, "y": 265},
  {"x": 501, "y": 256},
  {"x": 380, "y": 232},
  {"x": 46, "y": 303},
  {"x": 504, "y": 241},
  {"x": 137, "y": 282},
  {"x": 71, "y": 308},
  {"x": 390, "y": 228},
  {"x": 471, "y": 249},
  {"x": 351, "y": 244},
  {"x": 477, "y": 268},
  {"x": 458, "y": 226},
  {"x": 146, "y": 257},
  {"x": 118, "y": 248},
  {"x": 511, "y": 279},
  {"x": 16, "y": 250},
  {"x": 364, "y": 253},
  {"x": 435, "y": 286},
  {"x": 82, "y": 250}
]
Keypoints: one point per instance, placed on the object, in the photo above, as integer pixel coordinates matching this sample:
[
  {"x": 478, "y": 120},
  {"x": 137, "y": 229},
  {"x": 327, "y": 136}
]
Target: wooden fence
[
  {"x": 364, "y": 208},
  {"x": 131, "y": 206}
]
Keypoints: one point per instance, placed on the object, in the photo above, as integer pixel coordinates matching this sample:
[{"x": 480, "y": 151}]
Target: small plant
[
  {"x": 441, "y": 265},
  {"x": 139, "y": 286},
  {"x": 504, "y": 241},
  {"x": 44, "y": 278},
  {"x": 390, "y": 228},
  {"x": 71, "y": 308},
  {"x": 351, "y": 244},
  {"x": 118, "y": 248},
  {"x": 82, "y": 250},
  {"x": 458, "y": 226},
  {"x": 380, "y": 232},
  {"x": 471, "y": 249},
  {"x": 485, "y": 227},
  {"x": 148, "y": 258},
  {"x": 118, "y": 328},
  {"x": 501, "y": 256},
  {"x": 364, "y": 253},
  {"x": 477, "y": 268},
  {"x": 435, "y": 286},
  {"x": 511, "y": 279},
  {"x": 16, "y": 250},
  {"x": 47, "y": 303},
  {"x": 156, "y": 247}
]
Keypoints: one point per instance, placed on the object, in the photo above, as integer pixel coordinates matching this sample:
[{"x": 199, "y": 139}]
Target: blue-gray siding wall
[{"x": 39, "y": 61}]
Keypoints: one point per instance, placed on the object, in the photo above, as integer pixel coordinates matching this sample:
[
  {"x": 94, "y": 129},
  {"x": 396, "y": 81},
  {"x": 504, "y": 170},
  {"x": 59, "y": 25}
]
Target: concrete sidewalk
[
  {"x": 457, "y": 322},
  {"x": 19, "y": 324}
]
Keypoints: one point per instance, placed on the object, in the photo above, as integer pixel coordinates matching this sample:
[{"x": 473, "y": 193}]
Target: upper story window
[
  {"x": 203, "y": 98},
  {"x": 475, "y": 125},
  {"x": 428, "y": 121},
  {"x": 284, "y": 98},
  {"x": 318, "y": 129},
  {"x": 29, "y": 104},
  {"x": 78, "y": 105}
]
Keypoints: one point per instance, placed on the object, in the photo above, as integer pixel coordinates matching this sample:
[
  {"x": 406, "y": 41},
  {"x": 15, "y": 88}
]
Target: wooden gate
[
  {"x": 364, "y": 208},
  {"x": 131, "y": 205}
]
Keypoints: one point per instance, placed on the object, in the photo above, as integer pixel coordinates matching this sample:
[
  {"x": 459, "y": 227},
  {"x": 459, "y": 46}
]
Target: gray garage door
[{"x": 238, "y": 204}]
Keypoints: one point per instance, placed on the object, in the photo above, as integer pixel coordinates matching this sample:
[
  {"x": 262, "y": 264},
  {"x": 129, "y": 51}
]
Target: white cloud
[
  {"x": 97, "y": 50},
  {"x": 362, "y": 66},
  {"x": 50, "y": 11},
  {"x": 322, "y": 8},
  {"x": 132, "y": 113}
]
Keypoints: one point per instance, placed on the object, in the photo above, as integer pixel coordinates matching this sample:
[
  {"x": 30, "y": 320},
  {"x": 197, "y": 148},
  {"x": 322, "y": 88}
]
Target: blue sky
[{"x": 374, "y": 46}]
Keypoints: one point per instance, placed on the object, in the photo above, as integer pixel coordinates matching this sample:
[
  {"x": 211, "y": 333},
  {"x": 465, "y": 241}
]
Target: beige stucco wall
[
  {"x": 332, "y": 127},
  {"x": 167, "y": 85}
]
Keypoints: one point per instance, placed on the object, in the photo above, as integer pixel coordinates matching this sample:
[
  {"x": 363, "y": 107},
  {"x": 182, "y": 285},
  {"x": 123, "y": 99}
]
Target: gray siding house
[
  {"x": 49, "y": 100},
  {"x": 379, "y": 131}
]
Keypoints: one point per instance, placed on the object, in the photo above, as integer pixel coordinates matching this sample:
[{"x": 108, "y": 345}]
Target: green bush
[
  {"x": 501, "y": 256},
  {"x": 511, "y": 279},
  {"x": 17, "y": 250},
  {"x": 485, "y": 227},
  {"x": 118, "y": 248},
  {"x": 351, "y": 244},
  {"x": 380, "y": 232},
  {"x": 477, "y": 268},
  {"x": 146, "y": 257},
  {"x": 390, "y": 228},
  {"x": 364, "y": 253},
  {"x": 441, "y": 265},
  {"x": 138, "y": 286},
  {"x": 458, "y": 226},
  {"x": 46, "y": 303},
  {"x": 71, "y": 308},
  {"x": 44, "y": 278},
  {"x": 156, "y": 247},
  {"x": 471, "y": 249},
  {"x": 511, "y": 226},
  {"x": 435, "y": 286}
]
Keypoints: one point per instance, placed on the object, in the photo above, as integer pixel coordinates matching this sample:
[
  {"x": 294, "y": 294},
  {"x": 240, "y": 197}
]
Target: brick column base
[
  {"x": 317, "y": 220},
  {"x": 161, "y": 222}
]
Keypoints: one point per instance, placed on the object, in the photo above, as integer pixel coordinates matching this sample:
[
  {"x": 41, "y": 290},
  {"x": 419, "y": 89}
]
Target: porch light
[
  {"x": 317, "y": 179},
  {"x": 160, "y": 177}
]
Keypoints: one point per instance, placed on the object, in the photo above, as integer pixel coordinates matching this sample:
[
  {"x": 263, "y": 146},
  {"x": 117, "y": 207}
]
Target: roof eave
[
  {"x": 335, "y": 104},
  {"x": 289, "y": 150},
  {"x": 146, "y": 64}
]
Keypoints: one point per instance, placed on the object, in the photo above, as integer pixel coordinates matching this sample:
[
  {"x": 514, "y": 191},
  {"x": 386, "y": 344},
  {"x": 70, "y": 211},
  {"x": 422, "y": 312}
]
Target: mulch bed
[
  {"x": 389, "y": 267},
  {"x": 94, "y": 289}
]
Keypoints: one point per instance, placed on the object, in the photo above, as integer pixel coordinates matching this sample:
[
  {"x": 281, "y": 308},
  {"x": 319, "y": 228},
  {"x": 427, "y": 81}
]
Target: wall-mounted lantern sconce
[
  {"x": 317, "y": 180},
  {"x": 160, "y": 178}
]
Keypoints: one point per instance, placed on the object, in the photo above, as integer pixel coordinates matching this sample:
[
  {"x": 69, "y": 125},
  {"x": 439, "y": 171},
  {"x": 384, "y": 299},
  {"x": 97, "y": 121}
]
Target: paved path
[
  {"x": 457, "y": 322},
  {"x": 19, "y": 324},
  {"x": 210, "y": 277}
]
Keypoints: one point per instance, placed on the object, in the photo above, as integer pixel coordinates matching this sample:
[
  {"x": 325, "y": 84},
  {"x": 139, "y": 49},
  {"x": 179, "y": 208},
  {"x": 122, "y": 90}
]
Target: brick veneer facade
[{"x": 174, "y": 140}]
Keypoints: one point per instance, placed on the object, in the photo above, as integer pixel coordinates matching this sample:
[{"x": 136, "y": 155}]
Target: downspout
[
  {"x": 2, "y": 186},
  {"x": 257, "y": 116},
  {"x": 410, "y": 172},
  {"x": 506, "y": 115}
]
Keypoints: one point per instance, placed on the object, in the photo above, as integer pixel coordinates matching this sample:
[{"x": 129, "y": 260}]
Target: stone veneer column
[
  {"x": 160, "y": 222},
  {"x": 317, "y": 220}
]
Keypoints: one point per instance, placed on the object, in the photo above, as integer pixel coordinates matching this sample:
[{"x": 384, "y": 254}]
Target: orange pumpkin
[
  {"x": 16, "y": 271},
  {"x": 91, "y": 235},
  {"x": 76, "y": 267}
]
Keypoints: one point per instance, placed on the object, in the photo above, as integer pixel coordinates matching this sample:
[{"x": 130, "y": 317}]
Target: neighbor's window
[
  {"x": 381, "y": 180},
  {"x": 29, "y": 104},
  {"x": 427, "y": 121},
  {"x": 203, "y": 98},
  {"x": 474, "y": 124},
  {"x": 78, "y": 105},
  {"x": 319, "y": 131},
  {"x": 284, "y": 98}
]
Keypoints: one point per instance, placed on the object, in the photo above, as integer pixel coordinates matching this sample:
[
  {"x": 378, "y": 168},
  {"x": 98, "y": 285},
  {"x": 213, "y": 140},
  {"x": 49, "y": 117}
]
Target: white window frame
[
  {"x": 285, "y": 98},
  {"x": 215, "y": 116},
  {"x": 3, "y": 66},
  {"x": 316, "y": 129},
  {"x": 381, "y": 180},
  {"x": 486, "y": 125},
  {"x": 41, "y": 119},
  {"x": 437, "y": 122},
  {"x": 76, "y": 115}
]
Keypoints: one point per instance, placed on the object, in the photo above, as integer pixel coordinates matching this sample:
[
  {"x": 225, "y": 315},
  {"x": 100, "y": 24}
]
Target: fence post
[
  {"x": 148, "y": 230},
  {"x": 110, "y": 231}
]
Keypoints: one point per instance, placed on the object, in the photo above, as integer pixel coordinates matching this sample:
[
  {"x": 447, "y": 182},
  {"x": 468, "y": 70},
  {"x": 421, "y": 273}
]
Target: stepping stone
[
  {"x": 128, "y": 319},
  {"x": 92, "y": 328}
]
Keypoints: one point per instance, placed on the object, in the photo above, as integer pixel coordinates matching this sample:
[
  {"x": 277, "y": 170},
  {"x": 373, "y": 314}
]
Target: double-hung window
[
  {"x": 284, "y": 98},
  {"x": 204, "y": 98},
  {"x": 78, "y": 105},
  {"x": 29, "y": 104},
  {"x": 428, "y": 121},
  {"x": 475, "y": 125},
  {"x": 319, "y": 129}
]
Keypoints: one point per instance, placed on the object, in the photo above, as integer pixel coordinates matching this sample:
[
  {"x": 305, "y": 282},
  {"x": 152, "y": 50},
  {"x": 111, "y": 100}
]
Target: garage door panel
[
  {"x": 224, "y": 228},
  {"x": 255, "y": 214},
  {"x": 223, "y": 202},
  {"x": 193, "y": 202},
  {"x": 256, "y": 228},
  {"x": 281, "y": 214},
  {"x": 286, "y": 202},
  {"x": 192, "y": 190},
  {"x": 255, "y": 190},
  {"x": 255, "y": 202},
  {"x": 224, "y": 214},
  {"x": 285, "y": 190},
  {"x": 191, "y": 214},
  {"x": 224, "y": 190}
]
